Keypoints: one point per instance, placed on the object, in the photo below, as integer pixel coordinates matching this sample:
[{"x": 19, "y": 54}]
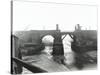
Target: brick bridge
[{"x": 35, "y": 36}]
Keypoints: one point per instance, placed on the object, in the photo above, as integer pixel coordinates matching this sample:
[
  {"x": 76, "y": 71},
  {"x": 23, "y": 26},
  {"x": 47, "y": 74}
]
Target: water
[{"x": 68, "y": 53}]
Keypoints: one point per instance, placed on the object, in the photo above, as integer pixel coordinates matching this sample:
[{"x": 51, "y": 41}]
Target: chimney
[{"x": 57, "y": 27}]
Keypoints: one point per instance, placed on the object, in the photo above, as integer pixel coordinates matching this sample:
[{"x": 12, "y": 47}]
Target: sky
[{"x": 45, "y": 16}]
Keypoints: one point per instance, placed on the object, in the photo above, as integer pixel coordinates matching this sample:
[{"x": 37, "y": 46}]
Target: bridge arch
[{"x": 47, "y": 39}]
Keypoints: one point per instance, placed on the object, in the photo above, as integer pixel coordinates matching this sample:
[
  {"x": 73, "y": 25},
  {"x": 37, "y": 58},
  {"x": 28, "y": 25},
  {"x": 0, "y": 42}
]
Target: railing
[{"x": 31, "y": 68}]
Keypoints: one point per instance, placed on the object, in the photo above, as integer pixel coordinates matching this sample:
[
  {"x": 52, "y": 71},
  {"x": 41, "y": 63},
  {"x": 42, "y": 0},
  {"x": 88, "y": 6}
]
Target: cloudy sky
[{"x": 45, "y": 16}]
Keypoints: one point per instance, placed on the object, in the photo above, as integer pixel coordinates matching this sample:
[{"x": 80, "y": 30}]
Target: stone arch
[
  {"x": 47, "y": 38},
  {"x": 68, "y": 53},
  {"x": 48, "y": 41},
  {"x": 66, "y": 40},
  {"x": 42, "y": 36}
]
